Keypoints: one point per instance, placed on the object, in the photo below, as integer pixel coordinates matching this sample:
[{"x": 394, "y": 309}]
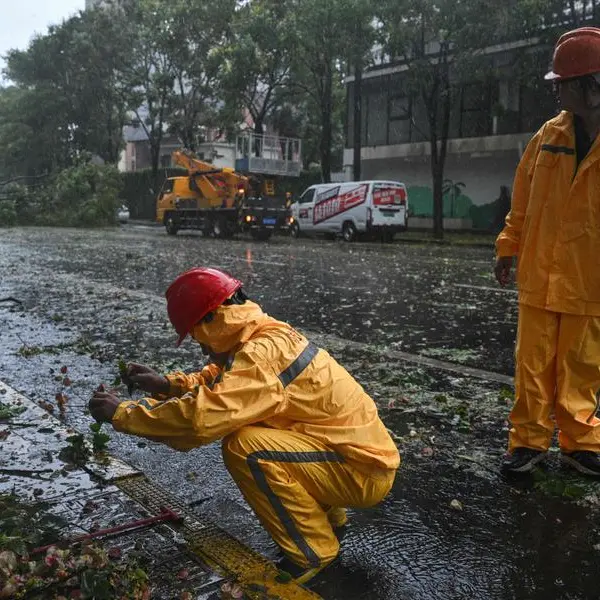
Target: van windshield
[{"x": 308, "y": 196}]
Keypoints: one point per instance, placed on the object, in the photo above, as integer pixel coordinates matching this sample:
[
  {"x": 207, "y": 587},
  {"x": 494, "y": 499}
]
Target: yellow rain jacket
[
  {"x": 553, "y": 228},
  {"x": 264, "y": 384},
  {"x": 554, "y": 223}
]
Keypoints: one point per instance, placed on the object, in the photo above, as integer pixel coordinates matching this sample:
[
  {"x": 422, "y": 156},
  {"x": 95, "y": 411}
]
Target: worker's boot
[
  {"x": 584, "y": 461},
  {"x": 337, "y": 516},
  {"x": 289, "y": 570}
]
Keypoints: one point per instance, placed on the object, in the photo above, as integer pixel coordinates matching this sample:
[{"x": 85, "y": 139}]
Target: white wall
[{"x": 483, "y": 175}]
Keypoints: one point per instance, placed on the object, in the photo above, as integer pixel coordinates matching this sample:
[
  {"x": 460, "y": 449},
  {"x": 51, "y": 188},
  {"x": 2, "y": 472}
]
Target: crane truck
[{"x": 221, "y": 202}]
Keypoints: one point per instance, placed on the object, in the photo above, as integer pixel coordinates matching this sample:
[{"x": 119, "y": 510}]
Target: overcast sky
[{"x": 21, "y": 19}]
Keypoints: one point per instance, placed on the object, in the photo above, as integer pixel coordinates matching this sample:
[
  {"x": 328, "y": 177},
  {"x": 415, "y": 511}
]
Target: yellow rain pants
[
  {"x": 290, "y": 480},
  {"x": 558, "y": 373}
]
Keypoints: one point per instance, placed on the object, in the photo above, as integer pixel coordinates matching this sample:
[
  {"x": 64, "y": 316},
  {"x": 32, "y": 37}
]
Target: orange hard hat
[
  {"x": 577, "y": 53},
  {"x": 194, "y": 294}
]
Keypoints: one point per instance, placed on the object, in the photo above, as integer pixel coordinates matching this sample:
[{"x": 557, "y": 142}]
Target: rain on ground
[{"x": 423, "y": 327}]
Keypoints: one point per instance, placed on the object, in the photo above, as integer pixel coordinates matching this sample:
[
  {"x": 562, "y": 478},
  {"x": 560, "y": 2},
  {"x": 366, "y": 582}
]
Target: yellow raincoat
[
  {"x": 554, "y": 230},
  {"x": 300, "y": 434}
]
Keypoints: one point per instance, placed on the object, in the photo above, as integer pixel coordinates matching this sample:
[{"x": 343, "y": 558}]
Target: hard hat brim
[{"x": 551, "y": 76}]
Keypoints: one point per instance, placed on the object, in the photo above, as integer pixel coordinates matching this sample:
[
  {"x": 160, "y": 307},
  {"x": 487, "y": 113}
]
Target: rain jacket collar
[
  {"x": 560, "y": 132},
  {"x": 233, "y": 325}
]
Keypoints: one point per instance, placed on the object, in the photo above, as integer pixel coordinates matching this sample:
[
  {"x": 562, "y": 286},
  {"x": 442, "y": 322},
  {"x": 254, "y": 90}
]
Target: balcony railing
[{"x": 268, "y": 154}]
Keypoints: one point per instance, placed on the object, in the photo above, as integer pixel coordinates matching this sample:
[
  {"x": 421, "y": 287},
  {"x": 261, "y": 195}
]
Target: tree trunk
[
  {"x": 357, "y": 120},
  {"x": 155, "y": 144},
  {"x": 258, "y": 130},
  {"x": 437, "y": 176},
  {"x": 439, "y": 116},
  {"x": 326, "y": 128}
]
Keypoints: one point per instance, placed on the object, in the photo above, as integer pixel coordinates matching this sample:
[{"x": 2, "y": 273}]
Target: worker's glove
[
  {"x": 502, "y": 269},
  {"x": 146, "y": 379}
]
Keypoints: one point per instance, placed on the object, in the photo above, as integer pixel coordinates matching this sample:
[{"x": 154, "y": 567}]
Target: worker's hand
[
  {"x": 103, "y": 405},
  {"x": 146, "y": 379},
  {"x": 502, "y": 269}
]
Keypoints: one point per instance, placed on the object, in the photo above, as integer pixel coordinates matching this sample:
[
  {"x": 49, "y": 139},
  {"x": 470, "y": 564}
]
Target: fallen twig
[
  {"x": 25, "y": 473},
  {"x": 11, "y": 299}
]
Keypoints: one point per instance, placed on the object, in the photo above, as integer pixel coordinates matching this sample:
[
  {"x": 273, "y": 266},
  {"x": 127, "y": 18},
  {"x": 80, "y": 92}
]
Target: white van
[{"x": 352, "y": 208}]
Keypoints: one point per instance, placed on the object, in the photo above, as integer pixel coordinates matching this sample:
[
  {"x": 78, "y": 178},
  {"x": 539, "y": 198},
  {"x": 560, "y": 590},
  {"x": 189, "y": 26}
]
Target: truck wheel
[
  {"x": 295, "y": 230},
  {"x": 219, "y": 228},
  {"x": 171, "y": 225},
  {"x": 349, "y": 231},
  {"x": 260, "y": 235}
]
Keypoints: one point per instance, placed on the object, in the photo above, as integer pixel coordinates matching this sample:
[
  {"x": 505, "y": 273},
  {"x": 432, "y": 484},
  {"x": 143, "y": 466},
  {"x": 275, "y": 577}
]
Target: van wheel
[
  {"x": 387, "y": 237},
  {"x": 295, "y": 230},
  {"x": 349, "y": 231},
  {"x": 171, "y": 225}
]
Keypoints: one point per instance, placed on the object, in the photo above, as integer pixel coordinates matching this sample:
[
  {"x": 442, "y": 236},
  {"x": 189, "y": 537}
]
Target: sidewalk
[
  {"x": 451, "y": 238},
  {"x": 186, "y": 560}
]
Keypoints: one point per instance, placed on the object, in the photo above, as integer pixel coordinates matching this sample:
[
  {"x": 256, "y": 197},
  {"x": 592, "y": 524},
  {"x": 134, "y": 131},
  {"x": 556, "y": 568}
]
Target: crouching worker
[{"x": 301, "y": 438}]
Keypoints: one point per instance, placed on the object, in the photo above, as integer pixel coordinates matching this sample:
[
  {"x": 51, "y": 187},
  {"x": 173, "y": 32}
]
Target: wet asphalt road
[{"x": 91, "y": 297}]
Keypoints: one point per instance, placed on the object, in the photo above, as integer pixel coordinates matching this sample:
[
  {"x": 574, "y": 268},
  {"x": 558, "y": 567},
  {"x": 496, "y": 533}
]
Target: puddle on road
[{"x": 504, "y": 544}]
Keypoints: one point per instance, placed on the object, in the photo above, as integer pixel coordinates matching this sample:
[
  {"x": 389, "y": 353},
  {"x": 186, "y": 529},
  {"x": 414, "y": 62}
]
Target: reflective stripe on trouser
[
  {"x": 557, "y": 372},
  {"x": 290, "y": 479}
]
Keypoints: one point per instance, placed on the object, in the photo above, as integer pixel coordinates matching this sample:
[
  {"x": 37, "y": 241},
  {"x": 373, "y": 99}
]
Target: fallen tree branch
[
  {"x": 26, "y": 473},
  {"x": 11, "y": 299}
]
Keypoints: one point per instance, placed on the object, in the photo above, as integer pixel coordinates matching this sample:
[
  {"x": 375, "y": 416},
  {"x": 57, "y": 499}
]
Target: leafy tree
[
  {"x": 65, "y": 104},
  {"x": 70, "y": 96},
  {"x": 441, "y": 43},
  {"x": 148, "y": 76},
  {"x": 199, "y": 30},
  {"x": 256, "y": 61},
  {"x": 32, "y": 142},
  {"x": 327, "y": 37},
  {"x": 101, "y": 45},
  {"x": 40, "y": 77}
]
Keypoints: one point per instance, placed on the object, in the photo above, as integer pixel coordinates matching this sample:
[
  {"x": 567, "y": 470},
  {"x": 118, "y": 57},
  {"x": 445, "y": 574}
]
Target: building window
[
  {"x": 399, "y": 120},
  {"x": 165, "y": 160},
  {"x": 376, "y": 117},
  {"x": 475, "y": 110}
]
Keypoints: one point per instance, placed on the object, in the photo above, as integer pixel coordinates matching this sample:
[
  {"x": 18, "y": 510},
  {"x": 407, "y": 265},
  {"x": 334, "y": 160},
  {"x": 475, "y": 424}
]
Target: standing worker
[
  {"x": 301, "y": 438},
  {"x": 553, "y": 229}
]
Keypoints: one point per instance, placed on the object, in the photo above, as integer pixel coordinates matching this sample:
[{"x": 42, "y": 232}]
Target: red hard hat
[
  {"x": 577, "y": 53},
  {"x": 194, "y": 294}
]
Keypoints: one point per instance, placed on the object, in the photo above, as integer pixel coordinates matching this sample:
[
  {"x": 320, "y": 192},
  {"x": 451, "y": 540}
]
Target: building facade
[{"x": 491, "y": 122}]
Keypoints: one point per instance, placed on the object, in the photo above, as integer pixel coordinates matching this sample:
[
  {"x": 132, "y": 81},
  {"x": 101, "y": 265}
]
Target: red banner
[
  {"x": 383, "y": 196},
  {"x": 331, "y": 202}
]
